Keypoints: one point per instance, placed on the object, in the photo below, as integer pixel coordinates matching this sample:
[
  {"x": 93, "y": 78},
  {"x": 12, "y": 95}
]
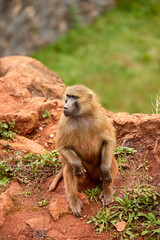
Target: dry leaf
[{"x": 120, "y": 226}]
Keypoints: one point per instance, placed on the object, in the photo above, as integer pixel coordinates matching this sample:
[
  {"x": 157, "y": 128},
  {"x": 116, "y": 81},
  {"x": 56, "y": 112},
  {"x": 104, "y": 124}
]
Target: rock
[
  {"x": 39, "y": 223},
  {"x": 6, "y": 204},
  {"x": 28, "y": 145},
  {"x": 22, "y": 143},
  {"x": 136, "y": 127},
  {"x": 142, "y": 132},
  {"x": 58, "y": 206},
  {"x": 42, "y": 22},
  {"x": 27, "y": 89},
  {"x": 14, "y": 189}
]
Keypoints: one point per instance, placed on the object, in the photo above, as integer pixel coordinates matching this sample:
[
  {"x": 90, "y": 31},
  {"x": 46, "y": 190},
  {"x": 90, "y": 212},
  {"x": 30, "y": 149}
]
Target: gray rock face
[{"x": 28, "y": 25}]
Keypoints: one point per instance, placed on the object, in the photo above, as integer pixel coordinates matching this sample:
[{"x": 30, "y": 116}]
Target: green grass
[
  {"x": 118, "y": 56},
  {"x": 93, "y": 194},
  {"x": 27, "y": 167},
  {"x": 139, "y": 209},
  {"x": 6, "y": 130}
]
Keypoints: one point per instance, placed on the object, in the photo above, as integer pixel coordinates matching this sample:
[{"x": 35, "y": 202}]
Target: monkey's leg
[
  {"x": 106, "y": 195},
  {"x": 107, "y": 154},
  {"x": 70, "y": 181},
  {"x": 56, "y": 180}
]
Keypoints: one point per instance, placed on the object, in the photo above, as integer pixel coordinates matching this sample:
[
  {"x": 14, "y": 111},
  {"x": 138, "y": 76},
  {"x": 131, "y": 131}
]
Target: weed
[
  {"x": 140, "y": 210},
  {"x": 156, "y": 103},
  {"x": 6, "y": 130},
  {"x": 3, "y": 180},
  {"x": 93, "y": 193},
  {"x": 30, "y": 166},
  {"x": 121, "y": 150},
  {"x": 46, "y": 114},
  {"x": 122, "y": 154},
  {"x": 43, "y": 203},
  {"x": 102, "y": 220},
  {"x": 26, "y": 193},
  {"x": 143, "y": 166}
]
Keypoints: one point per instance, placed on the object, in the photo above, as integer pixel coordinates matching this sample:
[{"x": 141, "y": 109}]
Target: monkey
[{"x": 86, "y": 140}]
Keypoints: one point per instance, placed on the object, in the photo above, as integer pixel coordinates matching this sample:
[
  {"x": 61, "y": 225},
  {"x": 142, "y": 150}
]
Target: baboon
[{"x": 86, "y": 141}]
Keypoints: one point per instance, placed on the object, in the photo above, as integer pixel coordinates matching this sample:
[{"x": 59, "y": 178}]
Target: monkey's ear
[{"x": 90, "y": 97}]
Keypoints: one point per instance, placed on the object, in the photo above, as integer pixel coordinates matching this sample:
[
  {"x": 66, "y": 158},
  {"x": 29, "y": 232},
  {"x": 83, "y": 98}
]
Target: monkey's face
[
  {"x": 78, "y": 101},
  {"x": 71, "y": 107}
]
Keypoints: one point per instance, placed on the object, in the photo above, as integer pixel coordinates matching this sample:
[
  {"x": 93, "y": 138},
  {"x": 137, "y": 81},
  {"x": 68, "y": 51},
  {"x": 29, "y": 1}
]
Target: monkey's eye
[
  {"x": 75, "y": 97},
  {"x": 67, "y": 97}
]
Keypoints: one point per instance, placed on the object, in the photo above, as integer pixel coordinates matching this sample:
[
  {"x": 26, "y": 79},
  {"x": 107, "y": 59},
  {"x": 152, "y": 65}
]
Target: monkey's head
[{"x": 78, "y": 100}]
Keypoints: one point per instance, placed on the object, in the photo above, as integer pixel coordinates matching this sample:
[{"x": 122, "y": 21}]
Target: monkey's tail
[{"x": 56, "y": 180}]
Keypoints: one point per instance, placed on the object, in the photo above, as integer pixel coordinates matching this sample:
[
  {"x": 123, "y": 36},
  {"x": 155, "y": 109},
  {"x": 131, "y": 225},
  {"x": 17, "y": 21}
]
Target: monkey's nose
[{"x": 65, "y": 107}]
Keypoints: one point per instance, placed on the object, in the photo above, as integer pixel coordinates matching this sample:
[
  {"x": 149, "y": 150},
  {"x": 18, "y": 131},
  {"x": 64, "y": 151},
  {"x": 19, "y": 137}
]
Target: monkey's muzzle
[{"x": 67, "y": 113}]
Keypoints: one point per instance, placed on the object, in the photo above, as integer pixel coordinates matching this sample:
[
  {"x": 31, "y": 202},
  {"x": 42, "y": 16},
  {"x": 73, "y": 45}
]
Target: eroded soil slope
[{"x": 28, "y": 211}]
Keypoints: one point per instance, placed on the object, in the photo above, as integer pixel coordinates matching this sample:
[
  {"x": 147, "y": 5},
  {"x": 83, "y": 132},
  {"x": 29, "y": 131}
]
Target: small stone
[
  {"x": 46, "y": 144},
  {"x": 58, "y": 206},
  {"x": 38, "y": 223},
  {"x": 51, "y": 135}
]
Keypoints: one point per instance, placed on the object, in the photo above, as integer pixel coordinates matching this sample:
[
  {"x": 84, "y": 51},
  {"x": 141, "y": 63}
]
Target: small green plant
[
  {"x": 3, "y": 179},
  {"x": 43, "y": 203},
  {"x": 93, "y": 193},
  {"x": 26, "y": 193},
  {"x": 143, "y": 166},
  {"x": 122, "y": 153},
  {"x": 139, "y": 209},
  {"x": 46, "y": 114},
  {"x": 121, "y": 150},
  {"x": 30, "y": 166},
  {"x": 102, "y": 220},
  {"x": 6, "y": 130}
]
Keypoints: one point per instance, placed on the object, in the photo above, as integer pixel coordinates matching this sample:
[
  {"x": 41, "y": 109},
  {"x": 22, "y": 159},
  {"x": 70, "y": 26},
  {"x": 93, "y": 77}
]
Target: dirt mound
[
  {"x": 141, "y": 131},
  {"x": 27, "y": 89}
]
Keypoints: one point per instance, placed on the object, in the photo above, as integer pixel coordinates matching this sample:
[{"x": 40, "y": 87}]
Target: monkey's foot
[
  {"x": 75, "y": 206},
  {"x": 106, "y": 198}
]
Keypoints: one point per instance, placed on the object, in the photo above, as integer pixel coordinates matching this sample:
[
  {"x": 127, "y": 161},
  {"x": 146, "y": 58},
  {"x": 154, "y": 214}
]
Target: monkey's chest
[{"x": 88, "y": 148}]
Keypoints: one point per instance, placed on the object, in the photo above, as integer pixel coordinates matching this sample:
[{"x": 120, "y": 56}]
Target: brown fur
[{"x": 86, "y": 141}]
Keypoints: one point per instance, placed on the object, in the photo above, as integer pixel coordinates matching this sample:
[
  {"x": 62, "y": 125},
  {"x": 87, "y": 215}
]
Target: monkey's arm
[
  {"x": 73, "y": 160},
  {"x": 107, "y": 156}
]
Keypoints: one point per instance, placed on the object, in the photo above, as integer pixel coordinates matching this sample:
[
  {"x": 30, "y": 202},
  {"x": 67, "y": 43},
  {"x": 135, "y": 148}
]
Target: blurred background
[{"x": 111, "y": 46}]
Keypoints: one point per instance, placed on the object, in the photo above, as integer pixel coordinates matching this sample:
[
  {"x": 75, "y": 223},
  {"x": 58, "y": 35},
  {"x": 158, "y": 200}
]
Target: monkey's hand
[
  {"x": 106, "y": 175},
  {"x": 79, "y": 170}
]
